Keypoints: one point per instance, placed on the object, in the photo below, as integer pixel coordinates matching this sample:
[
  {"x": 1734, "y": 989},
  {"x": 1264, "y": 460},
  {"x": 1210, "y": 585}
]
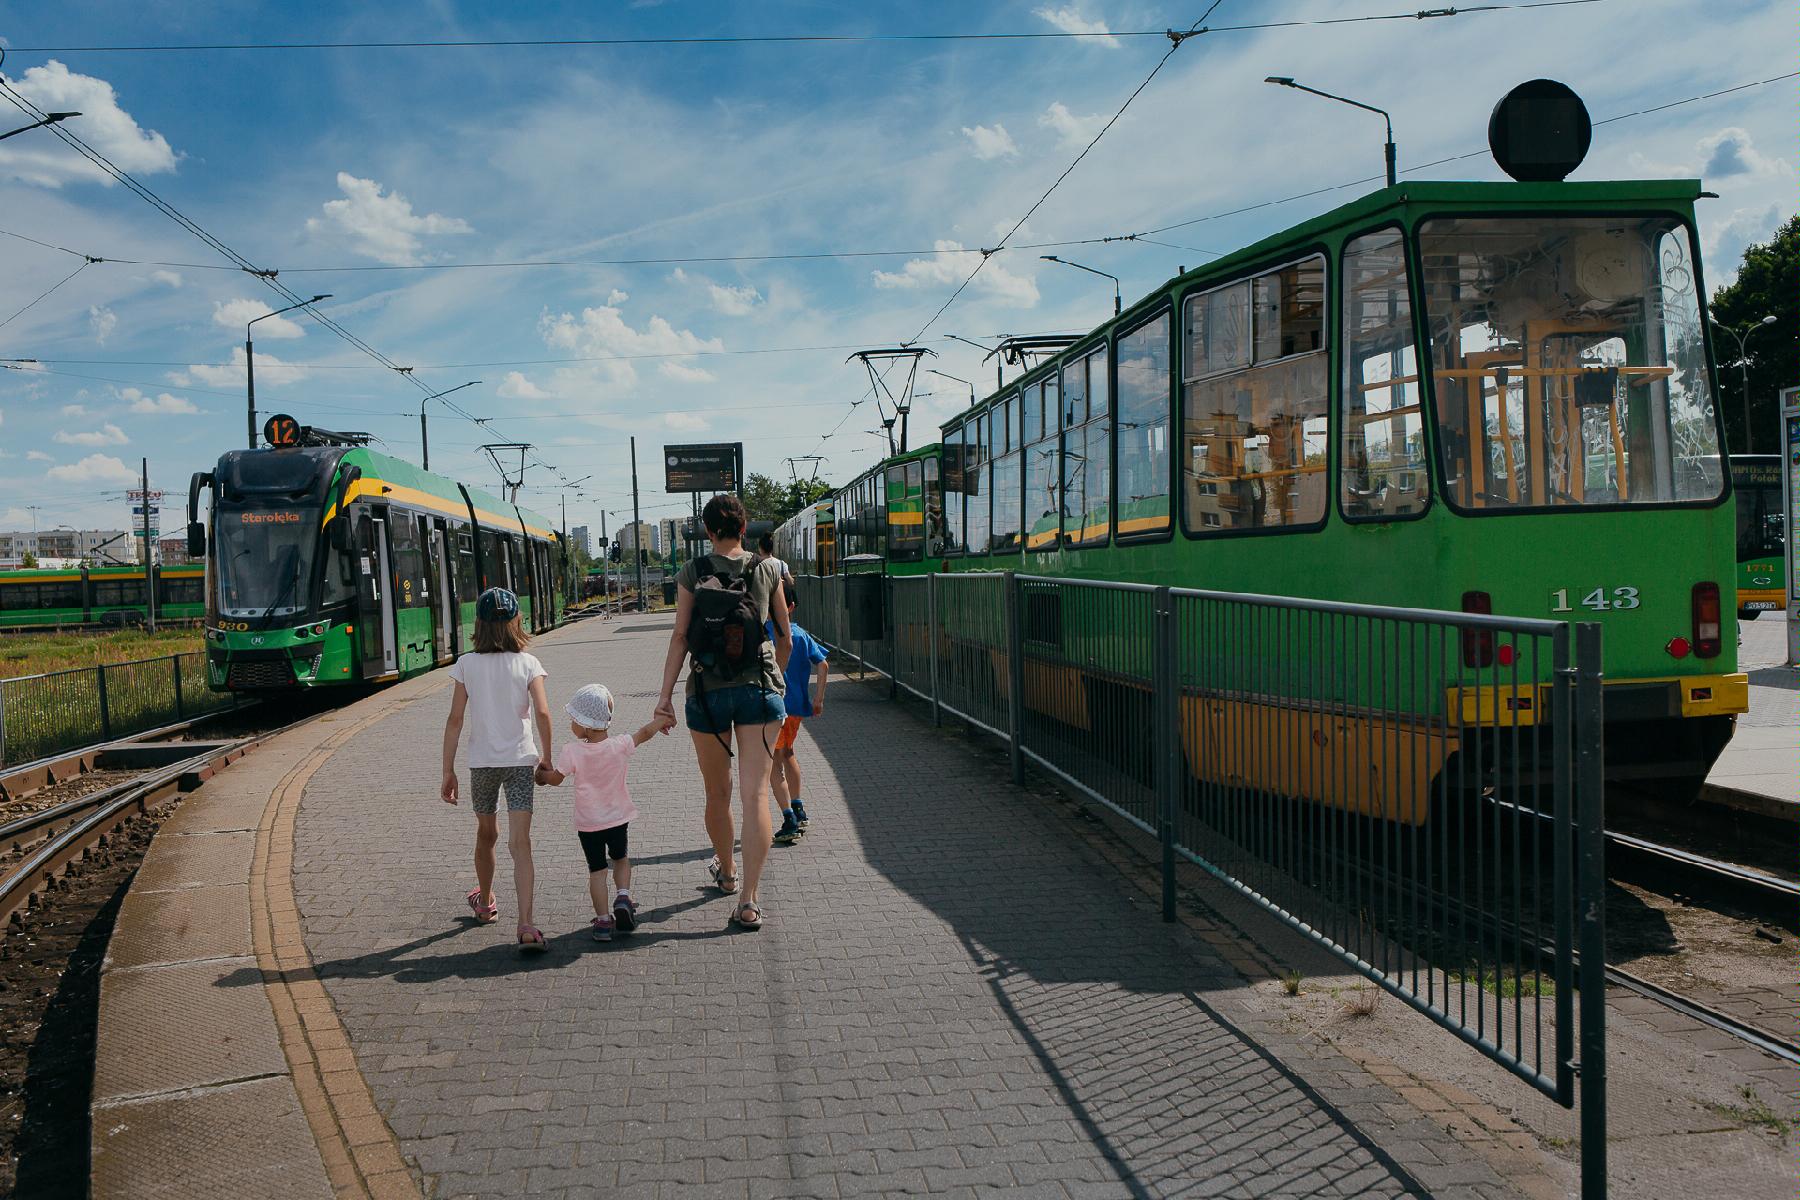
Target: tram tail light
[
  {"x": 1477, "y": 644},
  {"x": 1707, "y": 643}
]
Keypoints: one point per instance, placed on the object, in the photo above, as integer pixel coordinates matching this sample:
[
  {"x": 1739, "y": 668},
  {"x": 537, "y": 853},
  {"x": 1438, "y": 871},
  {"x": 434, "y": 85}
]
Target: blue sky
[{"x": 403, "y": 158}]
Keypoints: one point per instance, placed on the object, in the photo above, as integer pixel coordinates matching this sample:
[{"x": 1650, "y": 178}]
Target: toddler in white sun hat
[{"x": 598, "y": 763}]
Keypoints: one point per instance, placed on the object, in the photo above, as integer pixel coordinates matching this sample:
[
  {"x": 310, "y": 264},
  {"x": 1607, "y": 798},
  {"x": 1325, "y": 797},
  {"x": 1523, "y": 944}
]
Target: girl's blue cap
[{"x": 496, "y": 604}]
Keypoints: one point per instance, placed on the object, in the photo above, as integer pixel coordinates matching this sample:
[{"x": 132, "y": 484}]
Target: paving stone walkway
[{"x": 952, "y": 996}]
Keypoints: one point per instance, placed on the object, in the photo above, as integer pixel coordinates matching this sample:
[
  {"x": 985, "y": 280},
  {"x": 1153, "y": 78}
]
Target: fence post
[
  {"x": 1562, "y": 708},
  {"x": 1015, "y": 673},
  {"x": 176, "y": 660},
  {"x": 931, "y": 634},
  {"x": 891, "y": 611},
  {"x": 105, "y": 711},
  {"x": 2, "y": 722},
  {"x": 1165, "y": 741},
  {"x": 1590, "y": 784}
]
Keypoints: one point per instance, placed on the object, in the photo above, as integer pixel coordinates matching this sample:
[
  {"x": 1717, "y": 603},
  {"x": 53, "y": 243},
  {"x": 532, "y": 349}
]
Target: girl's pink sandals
[
  {"x": 486, "y": 914},
  {"x": 531, "y": 939}
]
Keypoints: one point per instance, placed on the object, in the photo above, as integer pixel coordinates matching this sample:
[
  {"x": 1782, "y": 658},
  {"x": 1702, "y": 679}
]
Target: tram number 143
[{"x": 1598, "y": 600}]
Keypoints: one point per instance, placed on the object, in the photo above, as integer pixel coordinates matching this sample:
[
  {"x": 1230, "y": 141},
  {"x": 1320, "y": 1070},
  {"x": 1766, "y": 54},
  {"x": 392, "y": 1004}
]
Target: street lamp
[
  {"x": 987, "y": 352},
  {"x": 250, "y": 359},
  {"x": 425, "y": 441},
  {"x": 49, "y": 119},
  {"x": 1115, "y": 279},
  {"x": 1392, "y": 154},
  {"x": 1743, "y": 365},
  {"x": 958, "y": 379}
]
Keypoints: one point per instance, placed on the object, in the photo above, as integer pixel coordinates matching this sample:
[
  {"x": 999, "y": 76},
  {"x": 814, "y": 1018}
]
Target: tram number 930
[{"x": 1598, "y": 599}]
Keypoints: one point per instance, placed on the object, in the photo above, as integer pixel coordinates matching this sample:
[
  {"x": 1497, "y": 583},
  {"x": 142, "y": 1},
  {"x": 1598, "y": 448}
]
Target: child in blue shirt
[{"x": 806, "y": 666}]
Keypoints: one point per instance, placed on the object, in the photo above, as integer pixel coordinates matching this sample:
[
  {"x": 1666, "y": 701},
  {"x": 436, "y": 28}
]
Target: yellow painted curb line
[{"x": 361, "y": 1154}]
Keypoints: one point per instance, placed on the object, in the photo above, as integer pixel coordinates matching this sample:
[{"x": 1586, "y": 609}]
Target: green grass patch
[
  {"x": 38, "y": 653},
  {"x": 1505, "y": 984}
]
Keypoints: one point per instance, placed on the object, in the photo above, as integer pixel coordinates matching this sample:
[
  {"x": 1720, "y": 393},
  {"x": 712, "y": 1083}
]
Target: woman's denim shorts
[{"x": 718, "y": 709}]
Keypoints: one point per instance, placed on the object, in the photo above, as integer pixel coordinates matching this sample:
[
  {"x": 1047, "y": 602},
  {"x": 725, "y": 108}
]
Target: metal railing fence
[
  {"x": 56, "y": 711},
  {"x": 1418, "y": 791}
]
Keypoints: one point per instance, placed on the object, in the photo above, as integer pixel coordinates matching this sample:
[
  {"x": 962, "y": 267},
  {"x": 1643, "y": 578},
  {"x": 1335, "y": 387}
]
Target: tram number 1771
[{"x": 1598, "y": 600}]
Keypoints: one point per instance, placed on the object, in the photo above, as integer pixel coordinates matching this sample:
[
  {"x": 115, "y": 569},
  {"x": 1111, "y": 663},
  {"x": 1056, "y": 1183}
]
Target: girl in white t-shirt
[{"x": 501, "y": 690}]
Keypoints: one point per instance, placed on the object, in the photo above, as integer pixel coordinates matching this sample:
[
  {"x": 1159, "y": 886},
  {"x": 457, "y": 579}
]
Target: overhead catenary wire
[
  {"x": 32, "y": 303},
  {"x": 1034, "y": 35}
]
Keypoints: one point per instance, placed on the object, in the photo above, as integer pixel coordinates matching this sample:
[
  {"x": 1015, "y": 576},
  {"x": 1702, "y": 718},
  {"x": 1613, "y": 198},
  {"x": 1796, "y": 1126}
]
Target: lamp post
[
  {"x": 424, "y": 438},
  {"x": 958, "y": 379},
  {"x": 250, "y": 360},
  {"x": 49, "y": 119},
  {"x": 1393, "y": 157},
  {"x": 1117, "y": 308},
  {"x": 987, "y": 352},
  {"x": 1743, "y": 365}
]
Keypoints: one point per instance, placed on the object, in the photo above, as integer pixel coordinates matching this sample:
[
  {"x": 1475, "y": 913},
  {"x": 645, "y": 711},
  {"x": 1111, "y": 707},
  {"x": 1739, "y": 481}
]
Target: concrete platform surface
[
  {"x": 1760, "y": 770},
  {"x": 952, "y": 995}
]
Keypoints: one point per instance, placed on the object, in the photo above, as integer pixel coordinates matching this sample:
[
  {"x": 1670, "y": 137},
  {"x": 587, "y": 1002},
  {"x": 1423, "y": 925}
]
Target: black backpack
[{"x": 726, "y": 630}]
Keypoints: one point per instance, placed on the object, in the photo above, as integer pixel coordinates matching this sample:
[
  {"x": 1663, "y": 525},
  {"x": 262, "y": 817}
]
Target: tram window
[
  {"x": 16, "y": 597},
  {"x": 467, "y": 584},
  {"x": 1382, "y": 433},
  {"x": 493, "y": 562},
  {"x": 181, "y": 591},
  {"x": 406, "y": 559},
  {"x": 1007, "y": 489},
  {"x": 934, "y": 508},
  {"x": 976, "y": 484},
  {"x": 1569, "y": 363},
  {"x": 118, "y": 593},
  {"x": 1254, "y": 428},
  {"x": 1031, "y": 417},
  {"x": 1043, "y": 489},
  {"x": 1143, "y": 425},
  {"x": 66, "y": 593},
  {"x": 953, "y": 490},
  {"x": 1087, "y": 452},
  {"x": 905, "y": 525}
]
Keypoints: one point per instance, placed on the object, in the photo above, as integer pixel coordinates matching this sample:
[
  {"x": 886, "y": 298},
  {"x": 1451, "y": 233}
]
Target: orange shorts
[{"x": 790, "y": 729}]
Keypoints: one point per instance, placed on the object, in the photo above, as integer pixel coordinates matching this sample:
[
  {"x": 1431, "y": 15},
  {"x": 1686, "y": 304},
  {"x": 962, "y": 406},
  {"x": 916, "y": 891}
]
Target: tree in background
[
  {"x": 1765, "y": 286},
  {"x": 28, "y": 562},
  {"x": 765, "y": 499}
]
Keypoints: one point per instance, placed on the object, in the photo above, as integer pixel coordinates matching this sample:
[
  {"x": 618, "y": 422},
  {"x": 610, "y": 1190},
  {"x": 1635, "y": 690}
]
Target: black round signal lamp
[{"x": 1540, "y": 131}]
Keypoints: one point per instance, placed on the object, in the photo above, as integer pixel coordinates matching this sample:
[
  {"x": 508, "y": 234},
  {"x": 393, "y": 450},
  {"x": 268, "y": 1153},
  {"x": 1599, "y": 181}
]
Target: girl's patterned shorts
[{"x": 486, "y": 783}]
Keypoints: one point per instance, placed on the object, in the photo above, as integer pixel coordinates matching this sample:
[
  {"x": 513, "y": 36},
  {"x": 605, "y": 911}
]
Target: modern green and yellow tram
[
  {"x": 1761, "y": 534},
  {"x": 1487, "y": 397},
  {"x": 330, "y": 564},
  {"x": 99, "y": 597}
]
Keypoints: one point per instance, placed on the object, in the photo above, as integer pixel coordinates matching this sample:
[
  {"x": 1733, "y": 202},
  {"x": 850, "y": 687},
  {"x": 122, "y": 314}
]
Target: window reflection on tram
[{"x": 264, "y": 560}]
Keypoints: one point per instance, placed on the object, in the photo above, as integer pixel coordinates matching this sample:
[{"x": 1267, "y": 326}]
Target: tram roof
[
  {"x": 1409, "y": 197},
  {"x": 419, "y": 486}
]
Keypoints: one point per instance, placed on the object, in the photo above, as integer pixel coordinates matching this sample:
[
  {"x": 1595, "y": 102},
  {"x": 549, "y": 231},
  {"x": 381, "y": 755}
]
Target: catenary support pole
[
  {"x": 149, "y": 553},
  {"x": 250, "y": 387},
  {"x": 637, "y": 531}
]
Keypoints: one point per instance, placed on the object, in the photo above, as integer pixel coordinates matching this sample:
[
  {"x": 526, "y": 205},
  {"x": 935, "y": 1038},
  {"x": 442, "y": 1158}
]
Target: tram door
[
  {"x": 375, "y": 596},
  {"x": 443, "y": 609}
]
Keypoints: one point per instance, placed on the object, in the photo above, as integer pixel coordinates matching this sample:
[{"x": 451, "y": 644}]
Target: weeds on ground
[
  {"x": 38, "y": 653},
  {"x": 1362, "y": 1002},
  {"x": 1506, "y": 985},
  {"x": 1754, "y": 1111},
  {"x": 1290, "y": 983}
]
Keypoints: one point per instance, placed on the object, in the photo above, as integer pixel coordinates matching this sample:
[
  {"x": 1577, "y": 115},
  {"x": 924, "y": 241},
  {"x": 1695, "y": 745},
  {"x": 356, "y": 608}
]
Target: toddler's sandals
[
  {"x": 531, "y": 940},
  {"x": 748, "y": 916}
]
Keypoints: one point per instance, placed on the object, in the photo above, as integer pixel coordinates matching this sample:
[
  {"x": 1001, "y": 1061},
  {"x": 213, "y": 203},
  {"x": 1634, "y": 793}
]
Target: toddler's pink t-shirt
[{"x": 598, "y": 771}]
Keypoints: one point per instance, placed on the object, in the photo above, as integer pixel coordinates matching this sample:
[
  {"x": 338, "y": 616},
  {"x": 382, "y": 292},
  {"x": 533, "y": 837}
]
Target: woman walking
[{"x": 734, "y": 690}]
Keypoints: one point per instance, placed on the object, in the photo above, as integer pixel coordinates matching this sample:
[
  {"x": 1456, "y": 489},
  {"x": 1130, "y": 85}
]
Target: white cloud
[
  {"x": 37, "y": 456},
  {"x": 1074, "y": 131},
  {"x": 269, "y": 370},
  {"x": 683, "y": 373},
  {"x": 990, "y": 141},
  {"x": 947, "y": 270},
  {"x": 74, "y": 410},
  {"x": 734, "y": 301},
  {"x": 685, "y": 422},
  {"x": 167, "y": 278},
  {"x": 1724, "y": 241},
  {"x": 382, "y": 225},
  {"x": 617, "y": 297},
  {"x": 109, "y": 129},
  {"x": 102, "y": 321},
  {"x": 1731, "y": 152},
  {"x": 107, "y": 435},
  {"x": 602, "y": 333},
  {"x": 235, "y": 314},
  {"x": 163, "y": 405},
  {"x": 516, "y": 387},
  {"x": 95, "y": 468},
  {"x": 1070, "y": 20}
]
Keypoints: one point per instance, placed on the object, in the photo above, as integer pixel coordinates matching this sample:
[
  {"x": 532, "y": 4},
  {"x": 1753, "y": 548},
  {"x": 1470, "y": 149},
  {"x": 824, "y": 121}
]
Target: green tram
[
  {"x": 1486, "y": 397},
  {"x": 331, "y": 564},
  {"x": 99, "y": 596},
  {"x": 1761, "y": 534}
]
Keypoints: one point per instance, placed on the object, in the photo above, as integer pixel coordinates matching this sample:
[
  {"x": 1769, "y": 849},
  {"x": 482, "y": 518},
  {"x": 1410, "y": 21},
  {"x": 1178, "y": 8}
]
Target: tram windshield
[
  {"x": 1760, "y": 521},
  {"x": 264, "y": 560},
  {"x": 1569, "y": 364}
]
